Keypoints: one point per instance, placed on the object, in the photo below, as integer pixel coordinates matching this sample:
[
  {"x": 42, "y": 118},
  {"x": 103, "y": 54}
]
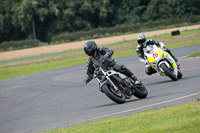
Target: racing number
[{"x": 155, "y": 55}]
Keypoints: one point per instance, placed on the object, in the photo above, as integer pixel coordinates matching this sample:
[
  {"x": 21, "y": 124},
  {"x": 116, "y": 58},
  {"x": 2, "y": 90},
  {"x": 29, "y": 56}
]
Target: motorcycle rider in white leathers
[{"x": 142, "y": 44}]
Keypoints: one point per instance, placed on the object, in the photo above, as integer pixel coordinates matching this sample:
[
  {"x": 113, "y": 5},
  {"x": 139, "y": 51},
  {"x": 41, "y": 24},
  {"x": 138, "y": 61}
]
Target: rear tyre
[
  {"x": 168, "y": 72},
  {"x": 116, "y": 96}
]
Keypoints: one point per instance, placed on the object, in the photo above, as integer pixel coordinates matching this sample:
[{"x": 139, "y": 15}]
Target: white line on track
[{"x": 126, "y": 111}]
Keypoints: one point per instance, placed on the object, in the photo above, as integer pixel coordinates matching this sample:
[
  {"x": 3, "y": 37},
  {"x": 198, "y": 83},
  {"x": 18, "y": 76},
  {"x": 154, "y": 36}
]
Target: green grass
[
  {"x": 11, "y": 72},
  {"x": 176, "y": 119},
  {"x": 196, "y": 54},
  {"x": 182, "y": 44}
]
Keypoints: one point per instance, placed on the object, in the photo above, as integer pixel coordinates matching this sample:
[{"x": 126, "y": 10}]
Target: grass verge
[
  {"x": 183, "y": 118},
  {"x": 11, "y": 72},
  {"x": 196, "y": 54}
]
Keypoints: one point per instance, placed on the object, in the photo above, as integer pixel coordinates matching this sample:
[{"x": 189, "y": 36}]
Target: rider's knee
[
  {"x": 117, "y": 67},
  {"x": 123, "y": 68}
]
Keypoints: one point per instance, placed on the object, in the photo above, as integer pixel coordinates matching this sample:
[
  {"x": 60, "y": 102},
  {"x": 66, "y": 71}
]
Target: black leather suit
[{"x": 110, "y": 62}]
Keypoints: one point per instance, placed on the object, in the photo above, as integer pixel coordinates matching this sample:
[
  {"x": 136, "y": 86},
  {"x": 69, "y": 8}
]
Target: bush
[
  {"x": 103, "y": 32},
  {"x": 13, "y": 45}
]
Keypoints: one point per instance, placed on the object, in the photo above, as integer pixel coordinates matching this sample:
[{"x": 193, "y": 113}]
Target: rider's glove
[
  {"x": 106, "y": 56},
  {"x": 162, "y": 45},
  {"x": 88, "y": 79}
]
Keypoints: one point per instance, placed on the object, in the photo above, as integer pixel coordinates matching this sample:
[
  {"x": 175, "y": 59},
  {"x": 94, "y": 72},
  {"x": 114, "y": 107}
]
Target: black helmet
[
  {"x": 141, "y": 38},
  {"x": 90, "y": 47}
]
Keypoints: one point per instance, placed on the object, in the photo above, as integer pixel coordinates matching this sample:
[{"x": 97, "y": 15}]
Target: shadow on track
[
  {"x": 163, "y": 95},
  {"x": 160, "y": 82},
  {"x": 190, "y": 77},
  {"x": 115, "y": 104},
  {"x": 185, "y": 77}
]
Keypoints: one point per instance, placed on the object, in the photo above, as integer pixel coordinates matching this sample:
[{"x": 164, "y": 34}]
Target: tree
[
  {"x": 186, "y": 8},
  {"x": 158, "y": 9},
  {"x": 42, "y": 19},
  {"x": 28, "y": 12},
  {"x": 8, "y": 31}
]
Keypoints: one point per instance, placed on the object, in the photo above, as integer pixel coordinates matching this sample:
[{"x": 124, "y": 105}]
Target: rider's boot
[
  {"x": 149, "y": 70},
  {"x": 135, "y": 79},
  {"x": 127, "y": 72}
]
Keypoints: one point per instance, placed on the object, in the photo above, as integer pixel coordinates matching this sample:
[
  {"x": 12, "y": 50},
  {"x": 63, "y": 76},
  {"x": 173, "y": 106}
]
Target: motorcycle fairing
[{"x": 157, "y": 56}]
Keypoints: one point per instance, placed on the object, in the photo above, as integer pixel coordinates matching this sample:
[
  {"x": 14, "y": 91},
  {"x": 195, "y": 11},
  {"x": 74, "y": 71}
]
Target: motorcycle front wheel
[
  {"x": 168, "y": 72},
  {"x": 116, "y": 96},
  {"x": 180, "y": 74}
]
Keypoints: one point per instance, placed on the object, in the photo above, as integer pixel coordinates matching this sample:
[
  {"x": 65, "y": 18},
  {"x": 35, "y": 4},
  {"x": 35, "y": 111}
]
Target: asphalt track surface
[{"x": 59, "y": 98}]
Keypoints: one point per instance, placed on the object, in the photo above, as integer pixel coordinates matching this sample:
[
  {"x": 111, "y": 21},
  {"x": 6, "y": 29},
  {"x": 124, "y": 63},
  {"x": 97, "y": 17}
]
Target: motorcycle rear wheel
[
  {"x": 117, "y": 97},
  {"x": 140, "y": 91},
  {"x": 168, "y": 72}
]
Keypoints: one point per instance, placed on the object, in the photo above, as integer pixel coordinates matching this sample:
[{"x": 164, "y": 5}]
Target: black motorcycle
[{"x": 117, "y": 86}]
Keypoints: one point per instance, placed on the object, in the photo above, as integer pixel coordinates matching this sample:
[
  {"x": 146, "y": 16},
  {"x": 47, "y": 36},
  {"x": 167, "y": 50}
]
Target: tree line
[{"x": 44, "y": 19}]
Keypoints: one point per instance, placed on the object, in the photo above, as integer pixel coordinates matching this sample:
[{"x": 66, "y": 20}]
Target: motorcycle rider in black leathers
[
  {"x": 103, "y": 55},
  {"x": 142, "y": 43}
]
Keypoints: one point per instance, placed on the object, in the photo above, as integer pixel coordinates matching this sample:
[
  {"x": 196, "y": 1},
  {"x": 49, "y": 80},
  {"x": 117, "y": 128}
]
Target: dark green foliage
[
  {"x": 67, "y": 20},
  {"x": 5, "y": 46}
]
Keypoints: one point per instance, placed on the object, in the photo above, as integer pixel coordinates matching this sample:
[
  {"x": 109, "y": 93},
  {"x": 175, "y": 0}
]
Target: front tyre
[
  {"x": 180, "y": 74},
  {"x": 168, "y": 72},
  {"x": 116, "y": 96}
]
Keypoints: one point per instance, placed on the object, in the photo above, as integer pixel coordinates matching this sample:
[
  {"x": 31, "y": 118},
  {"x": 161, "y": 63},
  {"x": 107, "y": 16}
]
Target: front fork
[{"x": 107, "y": 81}]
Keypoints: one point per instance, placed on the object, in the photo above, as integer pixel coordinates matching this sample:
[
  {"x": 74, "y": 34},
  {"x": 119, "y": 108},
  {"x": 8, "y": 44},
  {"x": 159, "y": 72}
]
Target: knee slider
[
  {"x": 117, "y": 67},
  {"x": 124, "y": 68}
]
